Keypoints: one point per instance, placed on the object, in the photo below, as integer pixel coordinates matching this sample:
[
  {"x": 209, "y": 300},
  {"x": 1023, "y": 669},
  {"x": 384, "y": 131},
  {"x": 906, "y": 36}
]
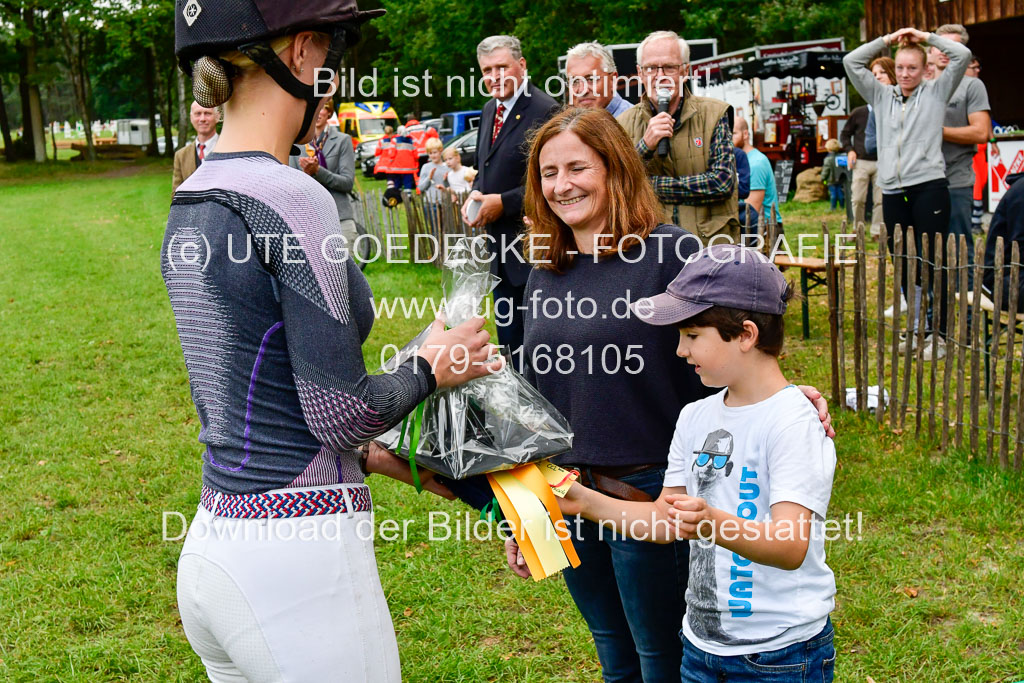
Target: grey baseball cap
[{"x": 720, "y": 275}]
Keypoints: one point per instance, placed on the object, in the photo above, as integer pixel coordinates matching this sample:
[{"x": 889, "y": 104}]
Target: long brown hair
[
  {"x": 888, "y": 66},
  {"x": 633, "y": 208}
]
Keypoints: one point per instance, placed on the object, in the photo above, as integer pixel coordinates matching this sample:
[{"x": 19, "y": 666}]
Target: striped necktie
[{"x": 499, "y": 118}]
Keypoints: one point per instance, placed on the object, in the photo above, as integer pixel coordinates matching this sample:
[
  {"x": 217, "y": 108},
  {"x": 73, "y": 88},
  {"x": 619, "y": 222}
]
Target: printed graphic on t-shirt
[{"x": 713, "y": 465}]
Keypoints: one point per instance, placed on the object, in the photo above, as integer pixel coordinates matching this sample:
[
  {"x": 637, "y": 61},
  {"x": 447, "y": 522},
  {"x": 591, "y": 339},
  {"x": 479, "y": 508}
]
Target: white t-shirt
[
  {"x": 457, "y": 180},
  {"x": 769, "y": 452}
]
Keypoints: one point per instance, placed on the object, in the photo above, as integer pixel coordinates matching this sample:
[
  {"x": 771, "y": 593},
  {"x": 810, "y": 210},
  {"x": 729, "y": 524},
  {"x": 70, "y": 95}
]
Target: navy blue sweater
[{"x": 626, "y": 385}]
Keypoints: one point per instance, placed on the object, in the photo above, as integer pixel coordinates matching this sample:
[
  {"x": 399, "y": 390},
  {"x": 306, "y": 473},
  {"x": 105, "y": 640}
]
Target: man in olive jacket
[{"x": 696, "y": 179}]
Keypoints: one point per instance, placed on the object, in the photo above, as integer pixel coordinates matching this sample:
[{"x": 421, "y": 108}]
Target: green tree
[
  {"x": 441, "y": 35},
  {"x": 76, "y": 23}
]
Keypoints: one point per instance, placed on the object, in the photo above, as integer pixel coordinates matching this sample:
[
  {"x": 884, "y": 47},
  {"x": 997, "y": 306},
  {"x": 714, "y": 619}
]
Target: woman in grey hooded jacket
[{"x": 909, "y": 118}]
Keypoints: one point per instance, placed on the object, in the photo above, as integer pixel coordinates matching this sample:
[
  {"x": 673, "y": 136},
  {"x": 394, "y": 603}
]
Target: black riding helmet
[{"x": 207, "y": 28}]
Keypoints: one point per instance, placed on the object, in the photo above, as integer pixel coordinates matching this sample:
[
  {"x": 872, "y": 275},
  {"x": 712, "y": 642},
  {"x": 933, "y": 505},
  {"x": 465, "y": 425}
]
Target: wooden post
[
  {"x": 862, "y": 265},
  {"x": 911, "y": 251},
  {"x": 832, "y": 284},
  {"x": 976, "y": 350},
  {"x": 840, "y": 318},
  {"x": 894, "y": 397},
  {"x": 859, "y": 324},
  {"x": 365, "y": 210},
  {"x": 880, "y": 343},
  {"x": 993, "y": 350},
  {"x": 1011, "y": 331},
  {"x": 951, "y": 346},
  {"x": 1019, "y": 449},
  {"x": 962, "y": 340},
  {"x": 938, "y": 300},
  {"x": 926, "y": 288}
]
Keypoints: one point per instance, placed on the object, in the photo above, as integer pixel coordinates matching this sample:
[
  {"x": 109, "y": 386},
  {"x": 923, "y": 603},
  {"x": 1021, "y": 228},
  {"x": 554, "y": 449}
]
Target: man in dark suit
[{"x": 517, "y": 107}]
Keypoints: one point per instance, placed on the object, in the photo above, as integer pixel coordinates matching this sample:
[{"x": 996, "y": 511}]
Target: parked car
[
  {"x": 365, "y": 150},
  {"x": 432, "y": 123},
  {"x": 368, "y": 165},
  {"x": 456, "y": 123}
]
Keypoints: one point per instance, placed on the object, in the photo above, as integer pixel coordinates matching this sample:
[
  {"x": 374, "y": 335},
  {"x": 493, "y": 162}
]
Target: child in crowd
[
  {"x": 433, "y": 173},
  {"x": 457, "y": 173},
  {"x": 748, "y": 483},
  {"x": 432, "y": 181},
  {"x": 831, "y": 177}
]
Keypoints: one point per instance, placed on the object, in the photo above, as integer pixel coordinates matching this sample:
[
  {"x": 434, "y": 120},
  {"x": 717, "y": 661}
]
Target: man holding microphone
[{"x": 685, "y": 142}]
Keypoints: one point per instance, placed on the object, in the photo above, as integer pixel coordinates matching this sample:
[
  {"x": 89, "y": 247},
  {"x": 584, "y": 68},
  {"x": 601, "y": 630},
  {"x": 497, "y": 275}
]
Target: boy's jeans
[
  {"x": 835, "y": 196},
  {"x": 631, "y": 594},
  {"x": 812, "y": 660}
]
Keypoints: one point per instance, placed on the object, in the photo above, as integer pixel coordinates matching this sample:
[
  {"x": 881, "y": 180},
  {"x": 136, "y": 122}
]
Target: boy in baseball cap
[{"x": 748, "y": 482}]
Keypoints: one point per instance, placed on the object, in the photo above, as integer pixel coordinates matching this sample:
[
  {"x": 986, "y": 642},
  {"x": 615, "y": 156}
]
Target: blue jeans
[
  {"x": 811, "y": 661},
  {"x": 835, "y": 196},
  {"x": 631, "y": 594}
]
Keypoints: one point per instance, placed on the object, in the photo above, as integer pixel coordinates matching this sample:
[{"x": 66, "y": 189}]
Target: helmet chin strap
[{"x": 262, "y": 54}]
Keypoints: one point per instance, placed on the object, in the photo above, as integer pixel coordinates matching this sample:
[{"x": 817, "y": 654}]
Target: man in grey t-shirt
[{"x": 967, "y": 125}]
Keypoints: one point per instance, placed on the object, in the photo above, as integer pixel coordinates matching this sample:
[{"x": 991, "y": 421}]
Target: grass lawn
[{"x": 98, "y": 439}]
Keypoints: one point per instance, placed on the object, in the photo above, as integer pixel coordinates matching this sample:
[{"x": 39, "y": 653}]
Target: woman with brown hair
[
  {"x": 884, "y": 67},
  {"x": 597, "y": 243},
  {"x": 884, "y": 71}
]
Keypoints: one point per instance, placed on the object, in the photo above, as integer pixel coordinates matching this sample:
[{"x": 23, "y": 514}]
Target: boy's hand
[
  {"x": 692, "y": 516},
  {"x": 571, "y": 504},
  {"x": 515, "y": 559}
]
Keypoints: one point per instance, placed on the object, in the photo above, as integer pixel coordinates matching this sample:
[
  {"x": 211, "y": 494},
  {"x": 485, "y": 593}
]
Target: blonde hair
[
  {"x": 278, "y": 45},
  {"x": 433, "y": 144},
  {"x": 916, "y": 48},
  {"x": 213, "y": 78},
  {"x": 833, "y": 145},
  {"x": 451, "y": 152}
]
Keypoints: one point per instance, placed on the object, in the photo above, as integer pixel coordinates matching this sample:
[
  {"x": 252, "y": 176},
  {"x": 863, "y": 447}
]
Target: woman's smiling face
[{"x": 574, "y": 182}]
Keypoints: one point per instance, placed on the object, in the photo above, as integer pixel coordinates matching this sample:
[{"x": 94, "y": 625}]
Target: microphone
[{"x": 664, "y": 95}]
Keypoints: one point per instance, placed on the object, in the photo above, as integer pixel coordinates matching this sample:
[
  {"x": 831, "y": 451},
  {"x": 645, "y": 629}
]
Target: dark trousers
[
  {"x": 924, "y": 207},
  {"x": 961, "y": 201},
  {"x": 631, "y": 594},
  {"x": 403, "y": 181},
  {"x": 508, "y": 319}
]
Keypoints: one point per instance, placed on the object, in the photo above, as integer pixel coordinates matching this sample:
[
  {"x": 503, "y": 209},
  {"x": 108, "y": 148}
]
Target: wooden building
[{"x": 996, "y": 29}]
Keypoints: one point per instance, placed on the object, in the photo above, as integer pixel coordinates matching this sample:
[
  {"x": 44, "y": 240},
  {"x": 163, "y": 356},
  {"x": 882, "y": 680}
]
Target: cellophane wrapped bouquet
[{"x": 492, "y": 423}]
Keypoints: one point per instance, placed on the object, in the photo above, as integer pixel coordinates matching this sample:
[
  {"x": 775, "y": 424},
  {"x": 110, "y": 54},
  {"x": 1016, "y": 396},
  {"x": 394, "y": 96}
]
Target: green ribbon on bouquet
[
  {"x": 491, "y": 512},
  {"x": 415, "y": 419}
]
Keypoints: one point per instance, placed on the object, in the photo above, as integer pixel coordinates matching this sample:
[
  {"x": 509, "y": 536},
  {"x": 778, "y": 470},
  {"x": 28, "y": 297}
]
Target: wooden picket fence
[
  {"x": 429, "y": 226},
  {"x": 973, "y": 394}
]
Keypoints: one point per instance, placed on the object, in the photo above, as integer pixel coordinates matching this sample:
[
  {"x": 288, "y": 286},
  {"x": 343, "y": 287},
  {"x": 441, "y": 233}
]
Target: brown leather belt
[{"x": 606, "y": 480}]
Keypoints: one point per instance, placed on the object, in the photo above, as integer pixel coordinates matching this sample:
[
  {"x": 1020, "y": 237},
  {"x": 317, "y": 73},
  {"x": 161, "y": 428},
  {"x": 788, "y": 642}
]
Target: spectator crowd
[{"x": 577, "y": 200}]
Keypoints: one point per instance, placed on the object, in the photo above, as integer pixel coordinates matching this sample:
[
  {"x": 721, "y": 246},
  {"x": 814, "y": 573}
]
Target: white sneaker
[
  {"x": 904, "y": 339},
  {"x": 940, "y": 350},
  {"x": 892, "y": 309}
]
